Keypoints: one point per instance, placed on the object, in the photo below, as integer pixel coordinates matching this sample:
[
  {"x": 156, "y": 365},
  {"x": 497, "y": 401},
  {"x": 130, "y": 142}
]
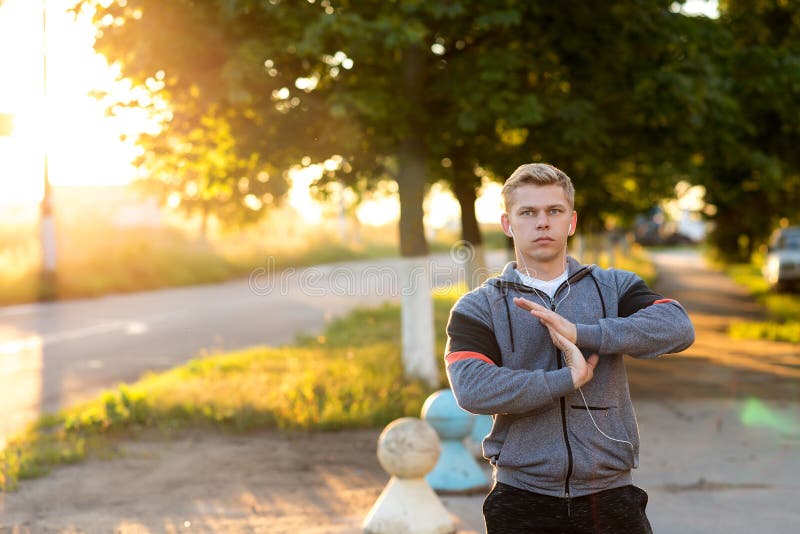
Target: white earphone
[{"x": 570, "y": 228}]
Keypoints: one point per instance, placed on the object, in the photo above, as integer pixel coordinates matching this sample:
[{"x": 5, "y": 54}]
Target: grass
[
  {"x": 783, "y": 309},
  {"x": 103, "y": 260}
]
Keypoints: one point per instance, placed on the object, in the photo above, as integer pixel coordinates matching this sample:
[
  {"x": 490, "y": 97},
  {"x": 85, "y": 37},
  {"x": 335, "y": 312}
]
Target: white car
[{"x": 782, "y": 267}]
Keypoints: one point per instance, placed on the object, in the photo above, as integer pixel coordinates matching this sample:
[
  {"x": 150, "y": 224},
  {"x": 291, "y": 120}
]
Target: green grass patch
[
  {"x": 102, "y": 260},
  {"x": 789, "y": 332},
  {"x": 783, "y": 309},
  {"x": 349, "y": 377}
]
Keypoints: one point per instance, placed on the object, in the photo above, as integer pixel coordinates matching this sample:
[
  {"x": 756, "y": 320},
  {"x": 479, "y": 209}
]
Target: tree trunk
[
  {"x": 465, "y": 185},
  {"x": 419, "y": 342},
  {"x": 411, "y": 187}
]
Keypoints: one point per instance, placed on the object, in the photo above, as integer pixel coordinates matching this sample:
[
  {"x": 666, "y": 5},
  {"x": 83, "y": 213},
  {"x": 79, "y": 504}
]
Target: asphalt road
[{"x": 53, "y": 355}]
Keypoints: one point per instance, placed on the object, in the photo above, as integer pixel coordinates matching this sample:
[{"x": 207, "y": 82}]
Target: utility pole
[{"x": 47, "y": 226}]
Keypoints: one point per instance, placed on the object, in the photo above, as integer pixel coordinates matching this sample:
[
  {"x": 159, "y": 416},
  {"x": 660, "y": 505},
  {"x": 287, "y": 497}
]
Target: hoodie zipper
[
  {"x": 577, "y": 275},
  {"x": 563, "y": 402}
]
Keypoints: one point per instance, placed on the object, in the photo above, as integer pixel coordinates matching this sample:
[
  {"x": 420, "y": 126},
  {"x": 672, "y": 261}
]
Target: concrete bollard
[
  {"x": 456, "y": 471},
  {"x": 481, "y": 429},
  {"x": 408, "y": 449}
]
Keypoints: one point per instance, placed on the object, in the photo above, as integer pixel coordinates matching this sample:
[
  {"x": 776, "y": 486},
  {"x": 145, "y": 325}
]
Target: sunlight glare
[
  {"x": 300, "y": 195},
  {"x": 381, "y": 207},
  {"x": 441, "y": 208},
  {"x": 85, "y": 146},
  {"x": 489, "y": 205},
  {"x": 708, "y": 8}
]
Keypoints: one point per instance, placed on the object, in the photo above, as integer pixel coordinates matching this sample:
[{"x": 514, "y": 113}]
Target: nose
[{"x": 542, "y": 221}]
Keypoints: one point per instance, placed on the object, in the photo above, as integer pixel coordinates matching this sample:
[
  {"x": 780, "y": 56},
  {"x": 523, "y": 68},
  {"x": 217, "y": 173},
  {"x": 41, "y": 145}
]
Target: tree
[
  {"x": 749, "y": 163},
  {"x": 223, "y": 147},
  {"x": 201, "y": 168}
]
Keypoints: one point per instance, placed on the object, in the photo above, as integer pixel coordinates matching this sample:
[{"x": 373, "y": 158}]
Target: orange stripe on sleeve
[
  {"x": 458, "y": 356},
  {"x": 663, "y": 301}
]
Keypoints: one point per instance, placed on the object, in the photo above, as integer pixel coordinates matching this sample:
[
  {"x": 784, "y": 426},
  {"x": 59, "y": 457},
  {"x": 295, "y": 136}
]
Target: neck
[{"x": 542, "y": 270}]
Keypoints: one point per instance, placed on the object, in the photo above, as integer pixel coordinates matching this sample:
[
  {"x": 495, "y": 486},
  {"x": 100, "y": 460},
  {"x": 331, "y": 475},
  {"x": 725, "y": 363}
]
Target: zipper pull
[{"x": 569, "y": 504}]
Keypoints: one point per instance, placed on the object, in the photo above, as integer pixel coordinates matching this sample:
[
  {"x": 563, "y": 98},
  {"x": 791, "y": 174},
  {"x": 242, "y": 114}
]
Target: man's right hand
[{"x": 582, "y": 369}]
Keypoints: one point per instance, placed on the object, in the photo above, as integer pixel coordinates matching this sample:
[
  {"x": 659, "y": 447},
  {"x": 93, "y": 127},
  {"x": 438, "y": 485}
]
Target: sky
[{"x": 84, "y": 145}]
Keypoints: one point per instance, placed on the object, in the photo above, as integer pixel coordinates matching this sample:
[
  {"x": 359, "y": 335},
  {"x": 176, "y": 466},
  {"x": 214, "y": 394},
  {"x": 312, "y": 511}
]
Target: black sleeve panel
[
  {"x": 467, "y": 334},
  {"x": 637, "y": 296}
]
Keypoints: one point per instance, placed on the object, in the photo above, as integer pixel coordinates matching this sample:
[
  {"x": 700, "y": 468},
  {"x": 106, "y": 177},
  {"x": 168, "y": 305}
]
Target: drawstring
[
  {"x": 600, "y": 294},
  {"x": 504, "y": 290},
  {"x": 504, "y": 285}
]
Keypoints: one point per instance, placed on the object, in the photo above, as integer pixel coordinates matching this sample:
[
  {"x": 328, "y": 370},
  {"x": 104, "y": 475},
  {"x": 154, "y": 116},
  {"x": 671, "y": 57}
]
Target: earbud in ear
[
  {"x": 570, "y": 228},
  {"x": 510, "y": 230}
]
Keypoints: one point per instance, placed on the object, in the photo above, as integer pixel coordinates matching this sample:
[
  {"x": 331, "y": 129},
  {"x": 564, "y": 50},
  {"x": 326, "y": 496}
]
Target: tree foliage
[
  {"x": 749, "y": 162},
  {"x": 225, "y": 144},
  {"x": 628, "y": 96}
]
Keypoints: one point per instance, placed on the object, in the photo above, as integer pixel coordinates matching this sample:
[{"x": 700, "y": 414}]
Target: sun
[{"x": 84, "y": 145}]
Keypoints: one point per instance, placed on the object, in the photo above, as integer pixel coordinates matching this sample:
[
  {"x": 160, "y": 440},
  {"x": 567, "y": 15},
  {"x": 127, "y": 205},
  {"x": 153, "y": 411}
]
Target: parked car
[{"x": 782, "y": 266}]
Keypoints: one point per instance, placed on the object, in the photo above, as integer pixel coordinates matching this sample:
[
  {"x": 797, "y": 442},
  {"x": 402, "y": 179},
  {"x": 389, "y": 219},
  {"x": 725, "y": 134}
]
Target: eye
[
  {"x": 525, "y": 212},
  {"x": 555, "y": 211}
]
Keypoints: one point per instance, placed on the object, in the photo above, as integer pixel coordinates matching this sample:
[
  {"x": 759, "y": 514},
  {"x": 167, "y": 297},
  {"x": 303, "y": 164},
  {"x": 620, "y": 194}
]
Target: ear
[
  {"x": 506, "y": 224},
  {"x": 573, "y": 224}
]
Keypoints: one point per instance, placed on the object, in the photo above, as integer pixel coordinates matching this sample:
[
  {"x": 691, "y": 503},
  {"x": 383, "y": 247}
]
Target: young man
[{"x": 540, "y": 348}]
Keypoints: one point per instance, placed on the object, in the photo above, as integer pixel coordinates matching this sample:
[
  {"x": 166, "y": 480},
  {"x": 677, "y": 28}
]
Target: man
[{"x": 540, "y": 348}]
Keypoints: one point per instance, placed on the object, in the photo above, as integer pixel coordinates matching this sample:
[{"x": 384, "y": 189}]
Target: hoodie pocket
[
  {"x": 535, "y": 445},
  {"x": 603, "y": 451}
]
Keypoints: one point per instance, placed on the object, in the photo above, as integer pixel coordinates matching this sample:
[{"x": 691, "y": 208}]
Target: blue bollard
[
  {"x": 481, "y": 429},
  {"x": 456, "y": 471}
]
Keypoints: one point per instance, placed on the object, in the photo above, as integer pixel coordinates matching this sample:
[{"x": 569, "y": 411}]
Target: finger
[
  {"x": 556, "y": 336},
  {"x": 559, "y": 340},
  {"x": 526, "y": 304},
  {"x": 542, "y": 318},
  {"x": 549, "y": 319},
  {"x": 592, "y": 361},
  {"x": 556, "y": 341}
]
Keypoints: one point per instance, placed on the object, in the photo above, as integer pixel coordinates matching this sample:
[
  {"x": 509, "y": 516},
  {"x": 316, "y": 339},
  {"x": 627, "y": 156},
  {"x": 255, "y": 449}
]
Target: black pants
[{"x": 510, "y": 510}]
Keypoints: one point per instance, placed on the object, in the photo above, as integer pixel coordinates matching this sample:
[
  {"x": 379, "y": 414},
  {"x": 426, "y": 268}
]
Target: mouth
[{"x": 544, "y": 240}]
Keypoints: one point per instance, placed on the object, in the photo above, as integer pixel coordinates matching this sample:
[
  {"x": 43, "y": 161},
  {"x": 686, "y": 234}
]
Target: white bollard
[{"x": 408, "y": 449}]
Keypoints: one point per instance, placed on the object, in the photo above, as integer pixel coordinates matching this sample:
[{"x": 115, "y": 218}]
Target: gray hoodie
[{"x": 501, "y": 361}]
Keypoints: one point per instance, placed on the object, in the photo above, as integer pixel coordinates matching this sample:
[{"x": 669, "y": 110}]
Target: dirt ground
[
  {"x": 326, "y": 482},
  {"x": 206, "y": 482}
]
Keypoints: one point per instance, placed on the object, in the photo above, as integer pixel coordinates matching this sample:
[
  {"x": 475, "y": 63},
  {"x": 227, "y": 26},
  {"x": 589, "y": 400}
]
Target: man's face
[{"x": 540, "y": 217}]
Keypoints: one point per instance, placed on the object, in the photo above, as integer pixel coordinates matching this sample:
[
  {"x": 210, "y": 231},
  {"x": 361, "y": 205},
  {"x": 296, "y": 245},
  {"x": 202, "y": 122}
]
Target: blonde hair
[{"x": 537, "y": 174}]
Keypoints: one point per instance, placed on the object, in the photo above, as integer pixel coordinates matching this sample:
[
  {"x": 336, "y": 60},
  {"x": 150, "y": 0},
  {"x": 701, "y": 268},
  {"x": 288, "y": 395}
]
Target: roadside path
[{"x": 716, "y": 366}]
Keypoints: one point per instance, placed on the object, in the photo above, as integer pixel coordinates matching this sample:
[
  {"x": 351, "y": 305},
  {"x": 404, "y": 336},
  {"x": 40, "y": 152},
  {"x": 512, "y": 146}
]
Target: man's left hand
[{"x": 550, "y": 319}]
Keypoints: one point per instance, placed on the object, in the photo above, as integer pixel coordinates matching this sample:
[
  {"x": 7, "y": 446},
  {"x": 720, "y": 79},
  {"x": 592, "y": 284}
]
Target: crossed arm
[
  {"x": 645, "y": 329},
  {"x": 564, "y": 335}
]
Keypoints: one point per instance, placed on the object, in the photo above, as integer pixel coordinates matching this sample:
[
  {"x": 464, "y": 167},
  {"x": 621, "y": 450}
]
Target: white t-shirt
[{"x": 548, "y": 286}]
